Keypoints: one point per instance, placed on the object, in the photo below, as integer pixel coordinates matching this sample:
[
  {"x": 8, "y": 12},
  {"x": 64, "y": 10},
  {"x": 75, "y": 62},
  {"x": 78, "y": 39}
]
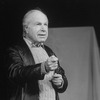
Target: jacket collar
[{"x": 27, "y": 51}]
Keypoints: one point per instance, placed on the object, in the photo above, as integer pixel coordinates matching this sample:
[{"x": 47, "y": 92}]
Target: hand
[
  {"x": 51, "y": 64},
  {"x": 57, "y": 79}
]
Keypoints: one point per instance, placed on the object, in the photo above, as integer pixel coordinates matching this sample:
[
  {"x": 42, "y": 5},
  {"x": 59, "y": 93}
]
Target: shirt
[{"x": 47, "y": 92}]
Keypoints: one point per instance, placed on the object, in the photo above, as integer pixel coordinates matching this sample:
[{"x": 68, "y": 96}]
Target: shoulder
[{"x": 18, "y": 46}]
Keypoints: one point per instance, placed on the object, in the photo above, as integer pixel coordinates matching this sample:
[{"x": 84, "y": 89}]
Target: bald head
[{"x": 30, "y": 15}]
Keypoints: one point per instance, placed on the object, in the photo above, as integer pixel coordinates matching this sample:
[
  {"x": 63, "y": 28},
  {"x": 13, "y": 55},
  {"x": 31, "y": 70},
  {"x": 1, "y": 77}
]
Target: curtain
[{"x": 78, "y": 53}]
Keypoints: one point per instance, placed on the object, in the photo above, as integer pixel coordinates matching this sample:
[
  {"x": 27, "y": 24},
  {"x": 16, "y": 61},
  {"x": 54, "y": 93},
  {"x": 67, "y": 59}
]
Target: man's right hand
[{"x": 51, "y": 64}]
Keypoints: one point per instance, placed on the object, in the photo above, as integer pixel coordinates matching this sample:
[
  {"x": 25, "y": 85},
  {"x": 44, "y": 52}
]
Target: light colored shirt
[{"x": 47, "y": 92}]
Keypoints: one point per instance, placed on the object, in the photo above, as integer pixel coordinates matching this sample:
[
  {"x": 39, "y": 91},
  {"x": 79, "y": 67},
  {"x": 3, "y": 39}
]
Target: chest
[{"x": 46, "y": 90}]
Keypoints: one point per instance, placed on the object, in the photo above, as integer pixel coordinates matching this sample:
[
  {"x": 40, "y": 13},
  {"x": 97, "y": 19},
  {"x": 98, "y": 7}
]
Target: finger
[
  {"x": 53, "y": 58},
  {"x": 53, "y": 66},
  {"x": 52, "y": 62},
  {"x": 57, "y": 75},
  {"x": 57, "y": 78},
  {"x": 57, "y": 82}
]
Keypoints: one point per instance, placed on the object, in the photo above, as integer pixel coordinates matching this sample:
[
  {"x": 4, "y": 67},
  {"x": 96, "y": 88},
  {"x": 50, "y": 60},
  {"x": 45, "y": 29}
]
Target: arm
[
  {"x": 60, "y": 71},
  {"x": 21, "y": 73}
]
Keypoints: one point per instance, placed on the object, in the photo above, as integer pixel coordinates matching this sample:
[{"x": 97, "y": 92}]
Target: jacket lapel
[{"x": 27, "y": 53}]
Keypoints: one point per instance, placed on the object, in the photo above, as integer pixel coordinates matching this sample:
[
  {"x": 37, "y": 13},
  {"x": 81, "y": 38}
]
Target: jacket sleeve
[{"x": 19, "y": 72}]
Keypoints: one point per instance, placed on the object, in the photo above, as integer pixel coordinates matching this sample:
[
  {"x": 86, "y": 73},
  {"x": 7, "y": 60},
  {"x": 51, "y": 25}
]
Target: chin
[{"x": 42, "y": 40}]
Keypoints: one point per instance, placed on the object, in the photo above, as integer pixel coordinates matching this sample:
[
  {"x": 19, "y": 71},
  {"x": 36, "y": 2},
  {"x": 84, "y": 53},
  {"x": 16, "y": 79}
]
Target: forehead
[{"x": 34, "y": 16}]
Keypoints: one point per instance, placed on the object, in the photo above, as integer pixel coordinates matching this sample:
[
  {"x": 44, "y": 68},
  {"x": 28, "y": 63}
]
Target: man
[{"x": 34, "y": 66}]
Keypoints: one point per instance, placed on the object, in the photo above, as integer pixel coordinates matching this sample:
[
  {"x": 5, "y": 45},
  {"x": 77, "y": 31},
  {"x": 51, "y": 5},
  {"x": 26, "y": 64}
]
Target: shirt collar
[{"x": 35, "y": 44}]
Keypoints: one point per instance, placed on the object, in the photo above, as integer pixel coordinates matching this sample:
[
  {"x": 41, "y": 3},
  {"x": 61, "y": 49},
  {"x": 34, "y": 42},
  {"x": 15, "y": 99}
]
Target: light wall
[{"x": 77, "y": 50}]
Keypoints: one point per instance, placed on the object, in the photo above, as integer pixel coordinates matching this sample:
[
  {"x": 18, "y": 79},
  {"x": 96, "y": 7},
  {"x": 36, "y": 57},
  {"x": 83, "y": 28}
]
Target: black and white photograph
[{"x": 50, "y": 50}]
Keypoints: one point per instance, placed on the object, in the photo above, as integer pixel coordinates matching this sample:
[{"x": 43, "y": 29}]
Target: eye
[
  {"x": 38, "y": 23},
  {"x": 46, "y": 24}
]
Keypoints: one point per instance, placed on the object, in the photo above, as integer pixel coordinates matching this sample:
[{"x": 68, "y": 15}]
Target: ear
[{"x": 26, "y": 28}]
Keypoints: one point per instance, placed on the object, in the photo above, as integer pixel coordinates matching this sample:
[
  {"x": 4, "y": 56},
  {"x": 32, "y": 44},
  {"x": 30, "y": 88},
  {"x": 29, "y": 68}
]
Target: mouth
[{"x": 41, "y": 35}]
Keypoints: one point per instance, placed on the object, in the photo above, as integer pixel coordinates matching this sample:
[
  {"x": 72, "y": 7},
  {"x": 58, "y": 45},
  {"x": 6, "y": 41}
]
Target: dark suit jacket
[{"x": 25, "y": 73}]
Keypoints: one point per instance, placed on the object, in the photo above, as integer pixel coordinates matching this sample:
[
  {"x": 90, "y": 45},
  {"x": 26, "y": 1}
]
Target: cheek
[
  {"x": 32, "y": 32},
  {"x": 36, "y": 30}
]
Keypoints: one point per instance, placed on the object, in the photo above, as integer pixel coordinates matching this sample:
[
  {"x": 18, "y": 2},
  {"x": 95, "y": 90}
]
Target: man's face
[{"x": 38, "y": 27}]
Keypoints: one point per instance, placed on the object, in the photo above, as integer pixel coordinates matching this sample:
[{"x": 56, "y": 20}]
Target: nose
[{"x": 43, "y": 28}]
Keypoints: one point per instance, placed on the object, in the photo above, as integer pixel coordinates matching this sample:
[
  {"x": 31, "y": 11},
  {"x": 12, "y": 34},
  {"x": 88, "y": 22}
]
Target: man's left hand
[{"x": 57, "y": 79}]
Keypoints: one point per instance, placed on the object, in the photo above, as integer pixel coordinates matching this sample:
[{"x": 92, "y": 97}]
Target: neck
[{"x": 35, "y": 43}]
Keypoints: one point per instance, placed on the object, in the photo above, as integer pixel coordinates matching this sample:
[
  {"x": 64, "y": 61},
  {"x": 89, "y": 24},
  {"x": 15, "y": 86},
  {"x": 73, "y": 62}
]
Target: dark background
[{"x": 61, "y": 13}]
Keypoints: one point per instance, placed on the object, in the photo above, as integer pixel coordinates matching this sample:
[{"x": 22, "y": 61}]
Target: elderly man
[{"x": 34, "y": 66}]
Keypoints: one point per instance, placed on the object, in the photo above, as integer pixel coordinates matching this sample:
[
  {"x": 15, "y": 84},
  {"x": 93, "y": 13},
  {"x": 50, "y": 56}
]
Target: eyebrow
[{"x": 41, "y": 22}]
